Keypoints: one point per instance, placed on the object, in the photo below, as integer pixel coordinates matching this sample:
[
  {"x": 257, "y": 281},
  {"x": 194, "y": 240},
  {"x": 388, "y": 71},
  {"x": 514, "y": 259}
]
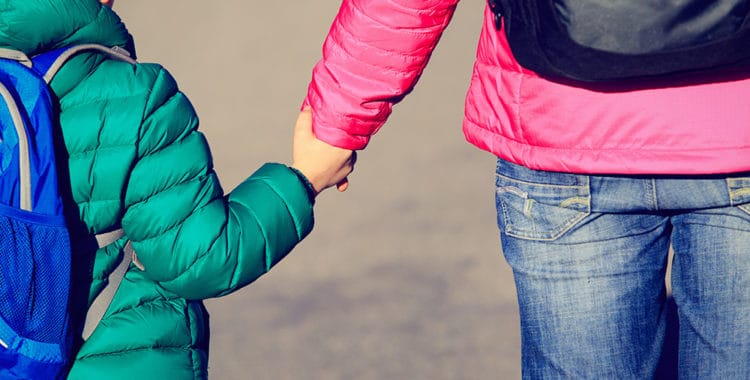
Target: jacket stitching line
[
  {"x": 88, "y": 152},
  {"x": 129, "y": 350},
  {"x": 165, "y": 191}
]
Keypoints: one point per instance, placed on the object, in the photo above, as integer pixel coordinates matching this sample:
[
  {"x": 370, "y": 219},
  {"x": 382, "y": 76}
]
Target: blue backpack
[{"x": 35, "y": 255}]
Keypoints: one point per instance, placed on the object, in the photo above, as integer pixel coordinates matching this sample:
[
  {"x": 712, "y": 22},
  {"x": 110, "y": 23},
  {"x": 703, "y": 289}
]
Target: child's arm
[{"x": 189, "y": 237}]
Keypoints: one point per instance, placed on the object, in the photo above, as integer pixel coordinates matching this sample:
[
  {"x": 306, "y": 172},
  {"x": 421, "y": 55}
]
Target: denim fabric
[{"x": 589, "y": 257}]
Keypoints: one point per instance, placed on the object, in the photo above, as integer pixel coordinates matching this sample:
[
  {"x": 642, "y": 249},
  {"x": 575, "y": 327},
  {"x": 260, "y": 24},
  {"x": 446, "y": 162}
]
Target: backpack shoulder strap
[
  {"x": 15, "y": 55},
  {"x": 101, "y": 303},
  {"x": 22, "y": 142},
  {"x": 49, "y": 63}
]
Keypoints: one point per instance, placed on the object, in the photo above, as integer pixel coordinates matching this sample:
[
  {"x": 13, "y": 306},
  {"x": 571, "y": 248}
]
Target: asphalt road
[{"x": 403, "y": 276}]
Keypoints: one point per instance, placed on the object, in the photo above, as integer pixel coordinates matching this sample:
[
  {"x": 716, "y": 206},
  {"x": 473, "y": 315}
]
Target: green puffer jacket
[{"x": 136, "y": 161}]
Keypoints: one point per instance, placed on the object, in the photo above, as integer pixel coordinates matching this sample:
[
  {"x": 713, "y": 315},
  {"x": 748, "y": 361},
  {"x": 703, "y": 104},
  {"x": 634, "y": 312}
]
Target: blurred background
[{"x": 403, "y": 276}]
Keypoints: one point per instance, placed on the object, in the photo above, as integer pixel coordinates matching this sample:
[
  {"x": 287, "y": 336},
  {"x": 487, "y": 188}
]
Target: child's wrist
[{"x": 311, "y": 193}]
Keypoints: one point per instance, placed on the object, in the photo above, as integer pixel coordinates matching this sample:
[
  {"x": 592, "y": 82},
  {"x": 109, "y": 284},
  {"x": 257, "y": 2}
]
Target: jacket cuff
[
  {"x": 337, "y": 133},
  {"x": 311, "y": 193},
  {"x": 288, "y": 186}
]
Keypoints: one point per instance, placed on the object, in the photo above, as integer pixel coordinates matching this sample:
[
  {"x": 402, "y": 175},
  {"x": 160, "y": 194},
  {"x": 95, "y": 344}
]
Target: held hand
[{"x": 323, "y": 164}]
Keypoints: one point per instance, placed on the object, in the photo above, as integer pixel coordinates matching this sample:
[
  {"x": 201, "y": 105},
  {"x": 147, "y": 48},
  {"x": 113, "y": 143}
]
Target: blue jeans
[{"x": 589, "y": 258}]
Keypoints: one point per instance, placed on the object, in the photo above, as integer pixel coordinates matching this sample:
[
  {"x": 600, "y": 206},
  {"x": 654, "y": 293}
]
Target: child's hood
[{"x": 34, "y": 26}]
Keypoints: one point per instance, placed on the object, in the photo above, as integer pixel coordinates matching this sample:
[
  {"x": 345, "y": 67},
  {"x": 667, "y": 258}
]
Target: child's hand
[{"x": 323, "y": 164}]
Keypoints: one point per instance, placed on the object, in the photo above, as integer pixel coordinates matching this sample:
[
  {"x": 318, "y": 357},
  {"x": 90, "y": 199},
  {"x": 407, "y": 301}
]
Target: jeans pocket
[
  {"x": 739, "y": 192},
  {"x": 542, "y": 211}
]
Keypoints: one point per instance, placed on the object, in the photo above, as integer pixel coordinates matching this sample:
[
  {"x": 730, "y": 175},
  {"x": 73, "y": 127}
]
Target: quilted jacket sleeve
[
  {"x": 373, "y": 56},
  {"x": 189, "y": 236}
]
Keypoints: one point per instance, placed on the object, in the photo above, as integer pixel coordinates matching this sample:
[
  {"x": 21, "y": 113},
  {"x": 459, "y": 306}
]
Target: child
[{"x": 134, "y": 160}]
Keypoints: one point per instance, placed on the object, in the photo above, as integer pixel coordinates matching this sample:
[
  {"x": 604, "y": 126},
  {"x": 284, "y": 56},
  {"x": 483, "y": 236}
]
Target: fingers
[{"x": 343, "y": 185}]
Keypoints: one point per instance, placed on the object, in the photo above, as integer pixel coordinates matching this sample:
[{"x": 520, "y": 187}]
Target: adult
[{"x": 594, "y": 184}]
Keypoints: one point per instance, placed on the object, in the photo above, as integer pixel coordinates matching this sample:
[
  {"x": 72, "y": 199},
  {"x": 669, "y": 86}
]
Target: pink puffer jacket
[{"x": 376, "y": 50}]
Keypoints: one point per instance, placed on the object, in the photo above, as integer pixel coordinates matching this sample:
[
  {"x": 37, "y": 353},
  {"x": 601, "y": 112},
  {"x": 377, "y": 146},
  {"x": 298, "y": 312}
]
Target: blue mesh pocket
[{"x": 34, "y": 287}]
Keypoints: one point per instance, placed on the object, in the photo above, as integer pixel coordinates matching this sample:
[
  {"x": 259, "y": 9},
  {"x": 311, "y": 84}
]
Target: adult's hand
[{"x": 323, "y": 164}]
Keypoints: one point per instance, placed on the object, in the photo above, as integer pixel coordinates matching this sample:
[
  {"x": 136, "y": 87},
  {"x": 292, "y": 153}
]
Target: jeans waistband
[{"x": 612, "y": 193}]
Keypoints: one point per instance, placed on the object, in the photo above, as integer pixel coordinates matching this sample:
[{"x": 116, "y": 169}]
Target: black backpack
[{"x": 616, "y": 41}]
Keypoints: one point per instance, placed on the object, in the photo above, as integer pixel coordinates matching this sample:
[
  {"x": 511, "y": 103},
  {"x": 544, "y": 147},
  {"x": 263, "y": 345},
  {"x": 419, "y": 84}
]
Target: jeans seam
[
  {"x": 653, "y": 194},
  {"x": 729, "y": 192},
  {"x": 546, "y": 185},
  {"x": 718, "y": 225},
  {"x": 552, "y": 236}
]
